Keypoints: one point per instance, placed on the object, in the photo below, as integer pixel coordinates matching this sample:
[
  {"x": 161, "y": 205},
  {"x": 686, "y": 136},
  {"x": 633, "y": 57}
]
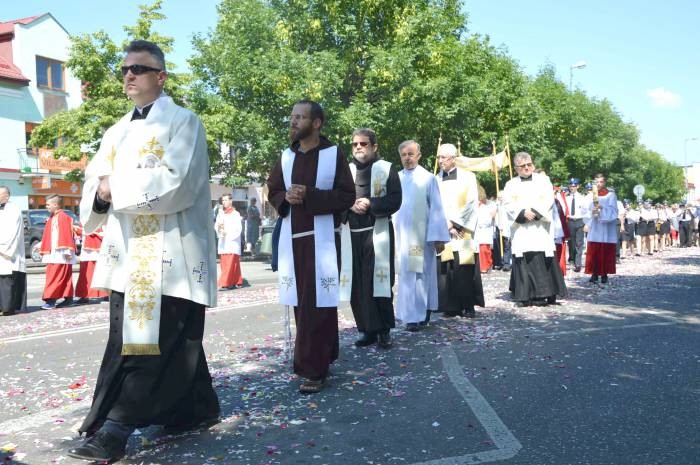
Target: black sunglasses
[
  {"x": 137, "y": 70},
  {"x": 360, "y": 144}
]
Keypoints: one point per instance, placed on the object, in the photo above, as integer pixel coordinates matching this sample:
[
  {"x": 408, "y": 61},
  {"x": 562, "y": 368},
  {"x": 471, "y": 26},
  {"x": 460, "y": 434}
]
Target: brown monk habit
[{"x": 316, "y": 345}]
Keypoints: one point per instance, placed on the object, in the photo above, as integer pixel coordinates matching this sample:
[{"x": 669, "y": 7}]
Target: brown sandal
[{"x": 312, "y": 386}]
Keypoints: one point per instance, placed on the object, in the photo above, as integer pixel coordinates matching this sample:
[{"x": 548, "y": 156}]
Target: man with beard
[
  {"x": 459, "y": 279},
  {"x": 310, "y": 187},
  {"x": 528, "y": 198},
  {"x": 367, "y": 273}
]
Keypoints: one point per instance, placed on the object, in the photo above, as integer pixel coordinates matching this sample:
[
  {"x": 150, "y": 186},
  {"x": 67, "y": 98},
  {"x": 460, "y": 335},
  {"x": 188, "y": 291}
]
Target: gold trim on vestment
[{"x": 140, "y": 349}]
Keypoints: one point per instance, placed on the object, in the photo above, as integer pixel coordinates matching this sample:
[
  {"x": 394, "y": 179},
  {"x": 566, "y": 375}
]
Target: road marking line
[
  {"x": 94, "y": 327},
  {"x": 507, "y": 445},
  {"x": 35, "y": 420}
]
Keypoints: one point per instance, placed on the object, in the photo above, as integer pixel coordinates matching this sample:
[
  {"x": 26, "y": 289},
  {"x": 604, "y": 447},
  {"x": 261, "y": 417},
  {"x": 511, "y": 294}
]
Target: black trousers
[{"x": 576, "y": 240}]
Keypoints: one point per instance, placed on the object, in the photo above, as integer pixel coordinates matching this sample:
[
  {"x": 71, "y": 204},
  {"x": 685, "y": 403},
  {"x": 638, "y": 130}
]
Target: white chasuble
[
  {"x": 380, "y": 240},
  {"x": 158, "y": 235},
  {"x": 418, "y": 224},
  {"x": 535, "y": 194},
  {"x": 325, "y": 254}
]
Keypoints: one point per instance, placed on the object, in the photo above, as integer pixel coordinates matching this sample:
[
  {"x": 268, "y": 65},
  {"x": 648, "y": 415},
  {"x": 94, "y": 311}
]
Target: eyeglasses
[
  {"x": 525, "y": 165},
  {"x": 359, "y": 144},
  {"x": 138, "y": 70}
]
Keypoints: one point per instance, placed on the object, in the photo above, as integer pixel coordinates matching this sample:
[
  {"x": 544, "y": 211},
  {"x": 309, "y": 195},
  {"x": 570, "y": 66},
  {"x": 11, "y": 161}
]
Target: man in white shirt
[{"x": 575, "y": 201}]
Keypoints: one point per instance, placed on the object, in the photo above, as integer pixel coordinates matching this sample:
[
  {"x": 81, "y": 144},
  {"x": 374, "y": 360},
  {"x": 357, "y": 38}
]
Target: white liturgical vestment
[
  {"x": 419, "y": 222},
  {"x": 158, "y": 234},
  {"x": 535, "y": 194}
]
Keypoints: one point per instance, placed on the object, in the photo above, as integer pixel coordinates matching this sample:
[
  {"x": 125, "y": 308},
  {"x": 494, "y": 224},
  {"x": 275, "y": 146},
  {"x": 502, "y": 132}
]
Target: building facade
[{"x": 34, "y": 84}]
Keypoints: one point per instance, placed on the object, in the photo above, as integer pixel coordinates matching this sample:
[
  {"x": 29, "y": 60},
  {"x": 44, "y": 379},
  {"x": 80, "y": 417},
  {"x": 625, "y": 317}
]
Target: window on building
[{"x": 49, "y": 73}]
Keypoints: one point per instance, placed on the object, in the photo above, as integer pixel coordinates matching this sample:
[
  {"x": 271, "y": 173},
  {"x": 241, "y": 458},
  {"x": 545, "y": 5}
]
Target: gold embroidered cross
[
  {"x": 415, "y": 251},
  {"x": 378, "y": 185},
  {"x": 152, "y": 147},
  {"x": 344, "y": 280},
  {"x": 381, "y": 275}
]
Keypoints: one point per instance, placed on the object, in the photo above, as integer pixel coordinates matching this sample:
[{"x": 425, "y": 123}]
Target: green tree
[{"x": 403, "y": 67}]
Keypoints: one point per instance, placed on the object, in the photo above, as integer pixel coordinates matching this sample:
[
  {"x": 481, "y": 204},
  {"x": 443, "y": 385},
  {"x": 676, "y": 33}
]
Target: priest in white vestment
[
  {"x": 421, "y": 232},
  {"x": 148, "y": 186},
  {"x": 459, "y": 280},
  {"x": 528, "y": 198},
  {"x": 601, "y": 215},
  {"x": 13, "y": 276}
]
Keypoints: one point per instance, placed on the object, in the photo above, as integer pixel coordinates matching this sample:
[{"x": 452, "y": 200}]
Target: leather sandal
[{"x": 312, "y": 386}]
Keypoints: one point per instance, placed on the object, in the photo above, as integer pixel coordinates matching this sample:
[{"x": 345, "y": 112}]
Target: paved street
[{"x": 609, "y": 376}]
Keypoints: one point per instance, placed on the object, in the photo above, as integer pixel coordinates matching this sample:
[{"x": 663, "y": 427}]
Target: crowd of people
[{"x": 399, "y": 245}]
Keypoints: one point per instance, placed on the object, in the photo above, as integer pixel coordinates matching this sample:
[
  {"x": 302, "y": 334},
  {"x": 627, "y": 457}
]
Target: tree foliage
[{"x": 410, "y": 70}]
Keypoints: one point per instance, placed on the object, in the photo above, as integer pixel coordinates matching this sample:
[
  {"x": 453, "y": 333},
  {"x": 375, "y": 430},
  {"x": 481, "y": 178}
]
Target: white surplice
[
  {"x": 536, "y": 194},
  {"x": 11, "y": 240},
  {"x": 228, "y": 228},
  {"x": 460, "y": 200},
  {"x": 158, "y": 234},
  {"x": 604, "y": 228},
  {"x": 417, "y": 291}
]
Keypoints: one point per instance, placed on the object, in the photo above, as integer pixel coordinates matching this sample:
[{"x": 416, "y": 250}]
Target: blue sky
[{"x": 640, "y": 55}]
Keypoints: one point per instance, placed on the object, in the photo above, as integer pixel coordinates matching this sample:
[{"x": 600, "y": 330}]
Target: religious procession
[{"x": 403, "y": 245}]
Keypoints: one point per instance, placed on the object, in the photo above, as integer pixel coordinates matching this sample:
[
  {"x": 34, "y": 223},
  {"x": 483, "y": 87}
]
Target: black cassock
[
  {"x": 13, "y": 291},
  {"x": 372, "y": 314},
  {"x": 173, "y": 388},
  {"x": 459, "y": 286}
]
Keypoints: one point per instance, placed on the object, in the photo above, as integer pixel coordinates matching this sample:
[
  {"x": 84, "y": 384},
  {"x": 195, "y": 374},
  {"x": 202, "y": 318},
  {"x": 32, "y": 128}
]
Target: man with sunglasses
[
  {"x": 148, "y": 186},
  {"x": 535, "y": 278},
  {"x": 367, "y": 273}
]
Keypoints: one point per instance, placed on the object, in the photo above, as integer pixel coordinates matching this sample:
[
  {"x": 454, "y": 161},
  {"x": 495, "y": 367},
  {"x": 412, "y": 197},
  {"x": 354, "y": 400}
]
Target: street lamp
[
  {"x": 577, "y": 65},
  {"x": 685, "y": 149}
]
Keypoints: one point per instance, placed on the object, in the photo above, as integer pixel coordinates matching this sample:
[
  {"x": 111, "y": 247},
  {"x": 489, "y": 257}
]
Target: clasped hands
[
  {"x": 360, "y": 206},
  {"x": 296, "y": 194},
  {"x": 529, "y": 215},
  {"x": 104, "y": 191}
]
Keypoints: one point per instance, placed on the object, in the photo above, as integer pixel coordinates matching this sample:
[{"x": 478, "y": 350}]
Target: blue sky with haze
[{"x": 642, "y": 56}]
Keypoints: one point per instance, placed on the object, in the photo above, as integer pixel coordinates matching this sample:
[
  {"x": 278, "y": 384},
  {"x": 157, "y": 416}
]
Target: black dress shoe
[
  {"x": 469, "y": 313},
  {"x": 101, "y": 447},
  {"x": 522, "y": 303},
  {"x": 552, "y": 299},
  {"x": 366, "y": 339},
  {"x": 384, "y": 340},
  {"x": 82, "y": 301},
  {"x": 594, "y": 279},
  {"x": 539, "y": 302},
  {"x": 577, "y": 269},
  {"x": 7, "y": 312},
  {"x": 412, "y": 327},
  {"x": 604, "y": 279}
]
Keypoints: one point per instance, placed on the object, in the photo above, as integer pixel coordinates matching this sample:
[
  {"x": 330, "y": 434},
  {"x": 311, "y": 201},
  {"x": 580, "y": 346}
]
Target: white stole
[
  {"x": 139, "y": 147},
  {"x": 380, "y": 240},
  {"x": 416, "y": 235},
  {"x": 325, "y": 258}
]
